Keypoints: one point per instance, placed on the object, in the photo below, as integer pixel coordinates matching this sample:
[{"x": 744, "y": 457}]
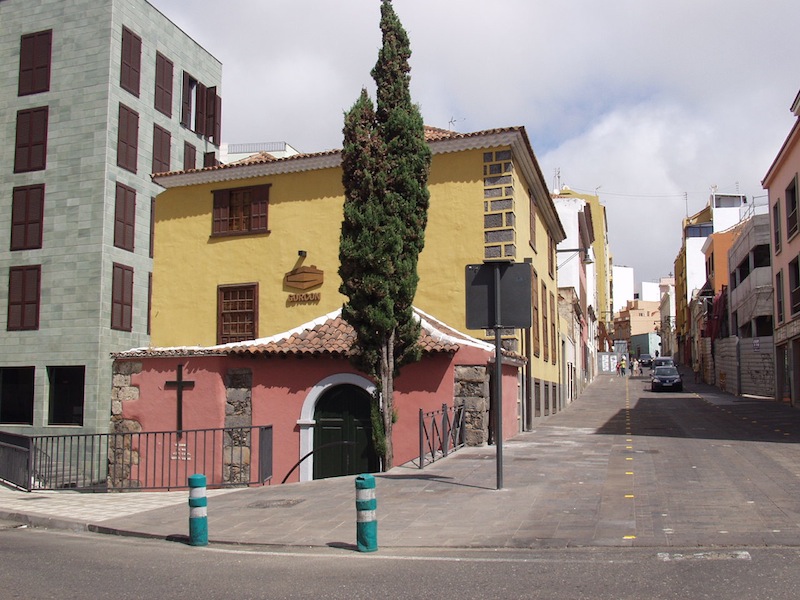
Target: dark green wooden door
[{"x": 342, "y": 415}]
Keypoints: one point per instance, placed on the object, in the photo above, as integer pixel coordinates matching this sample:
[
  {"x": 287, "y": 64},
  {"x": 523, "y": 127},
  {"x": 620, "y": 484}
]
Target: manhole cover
[{"x": 278, "y": 503}]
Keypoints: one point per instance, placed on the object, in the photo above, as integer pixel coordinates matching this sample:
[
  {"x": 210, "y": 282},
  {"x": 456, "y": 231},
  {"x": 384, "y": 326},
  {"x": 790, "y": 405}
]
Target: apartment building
[{"x": 98, "y": 94}]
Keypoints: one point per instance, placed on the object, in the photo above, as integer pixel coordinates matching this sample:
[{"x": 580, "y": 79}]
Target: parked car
[
  {"x": 662, "y": 361},
  {"x": 666, "y": 378},
  {"x": 645, "y": 360}
]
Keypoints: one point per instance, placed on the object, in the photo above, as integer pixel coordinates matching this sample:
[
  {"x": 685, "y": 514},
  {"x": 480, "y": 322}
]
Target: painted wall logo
[{"x": 304, "y": 278}]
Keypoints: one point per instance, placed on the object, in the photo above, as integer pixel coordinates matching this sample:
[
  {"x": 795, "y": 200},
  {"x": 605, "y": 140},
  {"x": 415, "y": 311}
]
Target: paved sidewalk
[{"x": 619, "y": 467}]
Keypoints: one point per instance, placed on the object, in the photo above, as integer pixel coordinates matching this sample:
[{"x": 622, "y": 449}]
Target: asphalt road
[{"x": 41, "y": 564}]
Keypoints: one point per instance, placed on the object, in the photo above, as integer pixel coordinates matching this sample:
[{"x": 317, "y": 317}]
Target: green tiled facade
[{"x": 80, "y": 178}]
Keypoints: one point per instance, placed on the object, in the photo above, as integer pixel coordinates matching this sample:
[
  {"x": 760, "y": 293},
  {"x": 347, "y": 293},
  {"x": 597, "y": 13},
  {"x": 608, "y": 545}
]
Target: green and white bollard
[
  {"x": 366, "y": 519},
  {"x": 198, "y": 511}
]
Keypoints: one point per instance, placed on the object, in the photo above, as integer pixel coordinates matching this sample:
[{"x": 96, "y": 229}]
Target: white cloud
[{"x": 648, "y": 100}]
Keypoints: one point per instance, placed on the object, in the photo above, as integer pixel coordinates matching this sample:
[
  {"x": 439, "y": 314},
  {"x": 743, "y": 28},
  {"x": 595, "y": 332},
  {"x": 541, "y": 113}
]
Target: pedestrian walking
[
  {"x": 635, "y": 368},
  {"x": 622, "y": 366}
]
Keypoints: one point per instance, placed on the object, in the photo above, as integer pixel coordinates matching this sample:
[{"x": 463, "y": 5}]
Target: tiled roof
[
  {"x": 432, "y": 134},
  {"x": 328, "y": 335}
]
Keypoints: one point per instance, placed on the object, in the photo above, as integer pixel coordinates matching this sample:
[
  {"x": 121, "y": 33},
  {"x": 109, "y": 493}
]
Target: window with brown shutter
[
  {"x": 545, "y": 328},
  {"x": 213, "y": 115},
  {"x": 24, "y": 292},
  {"x": 535, "y": 317},
  {"x": 554, "y": 353},
  {"x": 187, "y": 99},
  {"x": 128, "y": 138},
  {"x": 125, "y": 217},
  {"x": 122, "y": 297},
  {"x": 31, "y": 140},
  {"x": 237, "y": 313},
  {"x": 161, "y": 149},
  {"x": 200, "y": 109},
  {"x": 189, "y": 156},
  {"x": 152, "y": 225},
  {"x": 27, "y": 214},
  {"x": 163, "y": 98},
  {"x": 149, "y": 300},
  {"x": 240, "y": 210},
  {"x": 35, "y": 53},
  {"x": 131, "y": 62},
  {"x": 210, "y": 159}
]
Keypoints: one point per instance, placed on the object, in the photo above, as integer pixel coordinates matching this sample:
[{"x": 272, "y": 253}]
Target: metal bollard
[
  {"x": 198, "y": 511},
  {"x": 366, "y": 520}
]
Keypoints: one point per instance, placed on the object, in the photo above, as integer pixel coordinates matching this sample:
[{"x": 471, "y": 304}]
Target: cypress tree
[{"x": 385, "y": 165}]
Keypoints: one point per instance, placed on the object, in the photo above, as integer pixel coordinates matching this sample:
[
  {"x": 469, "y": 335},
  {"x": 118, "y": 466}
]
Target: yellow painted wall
[{"x": 305, "y": 213}]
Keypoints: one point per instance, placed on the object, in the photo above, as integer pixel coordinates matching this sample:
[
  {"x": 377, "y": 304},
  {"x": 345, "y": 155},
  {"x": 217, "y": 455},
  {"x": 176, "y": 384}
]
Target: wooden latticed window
[
  {"x": 240, "y": 210},
  {"x": 237, "y": 313}
]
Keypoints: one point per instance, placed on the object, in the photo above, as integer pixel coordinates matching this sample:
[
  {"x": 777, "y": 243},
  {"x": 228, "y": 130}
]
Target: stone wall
[
  {"x": 472, "y": 392},
  {"x": 237, "y": 444},
  {"x": 121, "y": 455}
]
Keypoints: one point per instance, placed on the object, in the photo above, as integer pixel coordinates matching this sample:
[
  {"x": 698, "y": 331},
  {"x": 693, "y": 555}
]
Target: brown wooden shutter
[
  {"x": 221, "y": 205},
  {"x": 186, "y": 100},
  {"x": 149, "y": 299},
  {"x": 125, "y": 217},
  {"x": 210, "y": 159},
  {"x": 189, "y": 156},
  {"x": 161, "y": 149},
  {"x": 131, "y": 62},
  {"x": 128, "y": 139},
  {"x": 23, "y": 297},
  {"x": 152, "y": 225},
  {"x": 26, "y": 217},
  {"x": 258, "y": 208},
  {"x": 121, "y": 297},
  {"x": 213, "y": 115},
  {"x": 200, "y": 105},
  {"x": 164, "y": 71},
  {"x": 34, "y": 62},
  {"x": 31, "y": 140},
  {"x": 216, "y": 135}
]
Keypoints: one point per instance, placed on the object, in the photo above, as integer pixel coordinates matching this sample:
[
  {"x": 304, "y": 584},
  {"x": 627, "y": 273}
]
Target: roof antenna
[{"x": 452, "y": 122}]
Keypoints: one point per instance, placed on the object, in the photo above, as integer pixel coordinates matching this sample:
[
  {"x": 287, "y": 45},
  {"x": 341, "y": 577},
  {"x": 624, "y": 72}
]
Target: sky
[{"x": 651, "y": 104}]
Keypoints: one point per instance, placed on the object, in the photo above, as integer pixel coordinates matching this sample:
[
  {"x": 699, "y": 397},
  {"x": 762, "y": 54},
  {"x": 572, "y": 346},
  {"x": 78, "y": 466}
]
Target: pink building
[
  {"x": 297, "y": 391},
  {"x": 781, "y": 181}
]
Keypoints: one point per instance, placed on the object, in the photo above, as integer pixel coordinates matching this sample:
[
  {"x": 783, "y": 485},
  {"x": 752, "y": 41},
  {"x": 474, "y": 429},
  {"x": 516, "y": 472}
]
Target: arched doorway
[{"x": 342, "y": 414}]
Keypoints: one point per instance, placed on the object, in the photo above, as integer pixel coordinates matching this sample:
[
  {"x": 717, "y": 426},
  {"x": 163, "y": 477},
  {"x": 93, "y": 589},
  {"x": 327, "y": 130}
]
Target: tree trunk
[{"x": 387, "y": 387}]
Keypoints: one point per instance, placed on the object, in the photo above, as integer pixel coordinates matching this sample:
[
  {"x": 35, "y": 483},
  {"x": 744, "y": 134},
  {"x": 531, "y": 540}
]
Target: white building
[{"x": 623, "y": 292}]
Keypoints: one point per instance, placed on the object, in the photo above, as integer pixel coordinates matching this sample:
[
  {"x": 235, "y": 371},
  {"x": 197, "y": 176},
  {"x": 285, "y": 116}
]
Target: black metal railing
[
  {"x": 137, "y": 461},
  {"x": 440, "y": 432}
]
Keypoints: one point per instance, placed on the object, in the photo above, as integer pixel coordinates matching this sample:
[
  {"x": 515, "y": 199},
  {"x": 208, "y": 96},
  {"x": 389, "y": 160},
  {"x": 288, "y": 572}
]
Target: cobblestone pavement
[{"x": 621, "y": 466}]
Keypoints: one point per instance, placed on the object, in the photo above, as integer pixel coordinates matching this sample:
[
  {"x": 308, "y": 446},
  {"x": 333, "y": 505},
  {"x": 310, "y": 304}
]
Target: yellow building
[{"x": 250, "y": 249}]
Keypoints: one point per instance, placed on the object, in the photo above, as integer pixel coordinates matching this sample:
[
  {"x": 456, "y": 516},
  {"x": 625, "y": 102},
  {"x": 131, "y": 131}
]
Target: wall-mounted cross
[{"x": 179, "y": 384}]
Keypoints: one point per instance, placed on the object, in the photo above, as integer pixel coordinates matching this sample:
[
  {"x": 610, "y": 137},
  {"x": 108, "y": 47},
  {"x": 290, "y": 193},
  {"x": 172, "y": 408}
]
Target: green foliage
[{"x": 385, "y": 166}]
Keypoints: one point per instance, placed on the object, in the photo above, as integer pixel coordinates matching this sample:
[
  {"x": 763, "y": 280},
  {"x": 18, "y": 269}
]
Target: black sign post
[{"x": 498, "y": 296}]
